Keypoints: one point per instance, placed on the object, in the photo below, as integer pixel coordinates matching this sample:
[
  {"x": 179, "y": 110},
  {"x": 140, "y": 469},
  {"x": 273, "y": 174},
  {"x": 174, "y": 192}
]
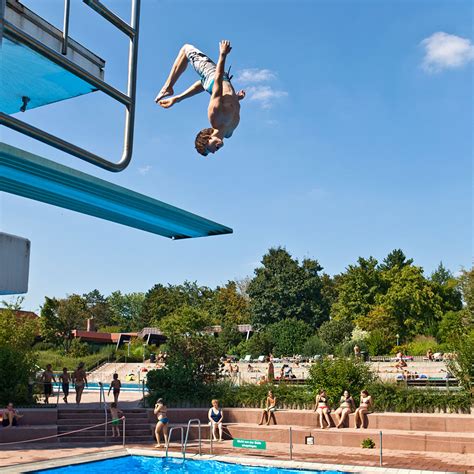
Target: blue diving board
[
  {"x": 27, "y": 73},
  {"x": 34, "y": 177}
]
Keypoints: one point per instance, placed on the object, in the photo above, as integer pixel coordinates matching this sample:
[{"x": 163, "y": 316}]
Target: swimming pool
[{"x": 149, "y": 465}]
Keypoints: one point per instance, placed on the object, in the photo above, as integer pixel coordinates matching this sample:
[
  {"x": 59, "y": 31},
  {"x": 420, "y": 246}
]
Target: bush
[
  {"x": 338, "y": 375},
  {"x": 59, "y": 360},
  {"x": 335, "y": 331},
  {"x": 315, "y": 346},
  {"x": 288, "y": 336},
  {"x": 420, "y": 345},
  {"x": 78, "y": 349},
  {"x": 259, "y": 344},
  {"x": 346, "y": 349},
  {"x": 394, "y": 398},
  {"x": 378, "y": 343},
  {"x": 368, "y": 443}
]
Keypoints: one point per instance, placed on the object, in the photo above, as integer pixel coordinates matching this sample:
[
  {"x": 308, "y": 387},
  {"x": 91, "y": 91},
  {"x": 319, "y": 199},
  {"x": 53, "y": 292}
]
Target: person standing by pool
[
  {"x": 360, "y": 415},
  {"x": 79, "y": 378},
  {"x": 116, "y": 415},
  {"x": 10, "y": 416},
  {"x": 64, "y": 378},
  {"x": 162, "y": 425},
  {"x": 48, "y": 378},
  {"x": 115, "y": 385},
  {"x": 216, "y": 417},
  {"x": 270, "y": 371},
  {"x": 346, "y": 407},
  {"x": 269, "y": 411}
]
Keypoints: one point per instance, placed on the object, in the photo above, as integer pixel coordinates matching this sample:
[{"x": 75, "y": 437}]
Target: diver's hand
[
  {"x": 167, "y": 103},
  {"x": 225, "y": 47}
]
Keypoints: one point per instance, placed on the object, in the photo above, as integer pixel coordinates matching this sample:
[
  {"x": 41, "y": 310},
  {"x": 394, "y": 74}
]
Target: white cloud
[
  {"x": 143, "y": 170},
  {"x": 445, "y": 51},
  {"x": 264, "y": 95},
  {"x": 252, "y": 76}
]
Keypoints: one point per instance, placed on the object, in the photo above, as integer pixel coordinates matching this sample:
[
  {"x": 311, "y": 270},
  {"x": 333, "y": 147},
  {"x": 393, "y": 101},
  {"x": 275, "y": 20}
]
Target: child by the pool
[
  {"x": 116, "y": 415},
  {"x": 115, "y": 385}
]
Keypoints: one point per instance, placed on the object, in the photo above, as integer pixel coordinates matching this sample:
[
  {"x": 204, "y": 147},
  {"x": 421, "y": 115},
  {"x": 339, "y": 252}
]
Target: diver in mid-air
[{"x": 224, "y": 106}]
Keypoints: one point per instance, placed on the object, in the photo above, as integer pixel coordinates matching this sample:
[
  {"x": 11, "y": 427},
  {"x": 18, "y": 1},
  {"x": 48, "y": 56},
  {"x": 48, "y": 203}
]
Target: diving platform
[
  {"x": 34, "y": 177},
  {"x": 31, "y": 78}
]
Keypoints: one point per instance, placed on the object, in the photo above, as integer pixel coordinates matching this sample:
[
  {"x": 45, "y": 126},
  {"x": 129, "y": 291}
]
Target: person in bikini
[
  {"x": 162, "y": 425},
  {"x": 79, "y": 378},
  {"x": 215, "y": 417},
  {"x": 322, "y": 409},
  {"x": 224, "y": 106},
  {"x": 10, "y": 416},
  {"x": 360, "y": 415},
  {"x": 115, "y": 385},
  {"x": 346, "y": 407}
]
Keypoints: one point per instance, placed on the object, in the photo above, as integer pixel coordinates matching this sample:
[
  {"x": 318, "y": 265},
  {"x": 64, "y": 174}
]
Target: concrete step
[
  {"x": 100, "y": 439},
  {"x": 392, "y": 439}
]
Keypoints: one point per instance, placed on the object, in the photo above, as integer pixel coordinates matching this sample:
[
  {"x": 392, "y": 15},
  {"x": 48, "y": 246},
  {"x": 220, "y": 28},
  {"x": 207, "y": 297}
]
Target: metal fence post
[
  {"x": 291, "y": 444},
  {"x": 123, "y": 427},
  {"x": 381, "y": 458}
]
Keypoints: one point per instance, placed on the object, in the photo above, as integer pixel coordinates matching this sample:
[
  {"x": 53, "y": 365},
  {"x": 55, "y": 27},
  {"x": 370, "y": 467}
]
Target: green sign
[{"x": 249, "y": 443}]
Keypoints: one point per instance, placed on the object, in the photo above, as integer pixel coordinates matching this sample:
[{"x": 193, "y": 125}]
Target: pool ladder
[{"x": 184, "y": 438}]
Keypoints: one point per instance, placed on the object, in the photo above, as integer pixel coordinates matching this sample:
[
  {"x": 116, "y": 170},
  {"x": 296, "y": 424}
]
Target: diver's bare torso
[{"x": 224, "y": 111}]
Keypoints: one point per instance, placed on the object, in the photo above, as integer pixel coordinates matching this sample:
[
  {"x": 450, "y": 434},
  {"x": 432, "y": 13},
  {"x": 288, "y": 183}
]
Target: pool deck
[{"x": 307, "y": 457}]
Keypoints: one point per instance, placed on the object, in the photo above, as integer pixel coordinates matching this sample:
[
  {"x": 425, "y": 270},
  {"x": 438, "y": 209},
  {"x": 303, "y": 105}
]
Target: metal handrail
[
  {"x": 102, "y": 400},
  {"x": 181, "y": 429},
  {"x": 128, "y": 99},
  {"x": 190, "y": 422}
]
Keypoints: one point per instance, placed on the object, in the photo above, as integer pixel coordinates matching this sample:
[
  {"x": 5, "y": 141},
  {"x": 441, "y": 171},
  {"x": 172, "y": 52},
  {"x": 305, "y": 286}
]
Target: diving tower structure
[{"x": 41, "y": 65}]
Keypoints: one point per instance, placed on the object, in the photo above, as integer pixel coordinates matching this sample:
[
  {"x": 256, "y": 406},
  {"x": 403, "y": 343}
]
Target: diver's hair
[{"x": 202, "y": 139}]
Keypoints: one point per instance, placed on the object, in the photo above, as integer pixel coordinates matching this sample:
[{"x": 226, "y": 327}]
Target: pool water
[{"x": 149, "y": 465}]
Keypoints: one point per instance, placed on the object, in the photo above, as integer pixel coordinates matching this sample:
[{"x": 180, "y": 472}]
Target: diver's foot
[
  {"x": 157, "y": 445},
  {"x": 165, "y": 92}
]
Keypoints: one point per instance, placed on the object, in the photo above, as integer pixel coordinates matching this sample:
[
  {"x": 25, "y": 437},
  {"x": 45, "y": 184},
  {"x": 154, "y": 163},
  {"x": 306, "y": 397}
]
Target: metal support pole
[
  {"x": 67, "y": 8},
  {"x": 210, "y": 438},
  {"x": 381, "y": 458},
  {"x": 291, "y": 444},
  {"x": 123, "y": 428}
]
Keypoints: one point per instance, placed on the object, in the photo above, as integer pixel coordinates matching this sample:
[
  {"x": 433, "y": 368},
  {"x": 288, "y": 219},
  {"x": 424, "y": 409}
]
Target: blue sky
[{"x": 355, "y": 138}]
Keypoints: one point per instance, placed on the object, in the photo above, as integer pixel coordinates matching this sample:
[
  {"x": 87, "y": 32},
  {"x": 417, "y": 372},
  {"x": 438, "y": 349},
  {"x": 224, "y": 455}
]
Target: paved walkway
[{"x": 323, "y": 454}]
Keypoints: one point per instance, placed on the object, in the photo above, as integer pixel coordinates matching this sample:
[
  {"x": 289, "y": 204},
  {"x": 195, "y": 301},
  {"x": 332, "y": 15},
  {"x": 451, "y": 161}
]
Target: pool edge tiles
[{"x": 242, "y": 460}]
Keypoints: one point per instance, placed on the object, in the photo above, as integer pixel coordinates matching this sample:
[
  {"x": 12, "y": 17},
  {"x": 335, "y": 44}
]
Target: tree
[
  {"x": 185, "y": 320},
  {"x": 17, "y": 359},
  {"x": 335, "y": 331},
  {"x": 357, "y": 289},
  {"x": 162, "y": 300},
  {"x": 125, "y": 310},
  {"x": 58, "y": 318},
  {"x": 395, "y": 259},
  {"x": 283, "y": 289},
  {"x": 447, "y": 287},
  {"x": 315, "y": 346},
  {"x": 228, "y": 306},
  {"x": 98, "y": 308},
  {"x": 289, "y": 336},
  {"x": 466, "y": 283}
]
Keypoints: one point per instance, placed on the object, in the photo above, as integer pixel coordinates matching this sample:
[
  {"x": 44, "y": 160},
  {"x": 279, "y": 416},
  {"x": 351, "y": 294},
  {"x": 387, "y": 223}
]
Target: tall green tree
[
  {"x": 17, "y": 359},
  {"x": 58, "y": 318},
  {"x": 284, "y": 288},
  {"x": 229, "y": 306},
  {"x": 125, "y": 309},
  {"x": 289, "y": 336},
  {"x": 447, "y": 287},
  {"x": 160, "y": 301},
  {"x": 357, "y": 290},
  {"x": 395, "y": 259},
  {"x": 97, "y": 308}
]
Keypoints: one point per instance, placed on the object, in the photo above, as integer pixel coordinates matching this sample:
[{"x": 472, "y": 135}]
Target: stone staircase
[{"x": 137, "y": 427}]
